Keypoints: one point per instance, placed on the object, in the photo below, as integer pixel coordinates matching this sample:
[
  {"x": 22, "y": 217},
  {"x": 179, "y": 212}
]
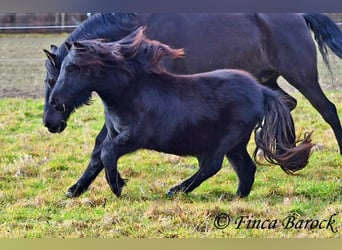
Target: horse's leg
[
  {"x": 326, "y": 108},
  {"x": 208, "y": 166},
  {"x": 94, "y": 167},
  {"x": 112, "y": 149},
  {"x": 294, "y": 57},
  {"x": 244, "y": 168},
  {"x": 309, "y": 86}
]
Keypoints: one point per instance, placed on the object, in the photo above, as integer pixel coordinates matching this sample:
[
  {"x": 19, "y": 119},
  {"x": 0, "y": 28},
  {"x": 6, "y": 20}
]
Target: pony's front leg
[
  {"x": 112, "y": 150},
  {"x": 94, "y": 167}
]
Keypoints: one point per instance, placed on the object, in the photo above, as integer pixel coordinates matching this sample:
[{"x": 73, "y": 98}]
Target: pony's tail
[
  {"x": 276, "y": 137},
  {"x": 327, "y": 34}
]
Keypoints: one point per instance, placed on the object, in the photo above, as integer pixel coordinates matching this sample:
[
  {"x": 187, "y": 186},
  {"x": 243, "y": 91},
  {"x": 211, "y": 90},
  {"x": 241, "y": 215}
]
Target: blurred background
[{"x": 35, "y": 22}]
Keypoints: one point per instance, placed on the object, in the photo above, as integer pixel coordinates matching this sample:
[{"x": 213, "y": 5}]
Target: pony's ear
[
  {"x": 77, "y": 45},
  {"x": 68, "y": 45},
  {"x": 53, "y": 48},
  {"x": 50, "y": 56}
]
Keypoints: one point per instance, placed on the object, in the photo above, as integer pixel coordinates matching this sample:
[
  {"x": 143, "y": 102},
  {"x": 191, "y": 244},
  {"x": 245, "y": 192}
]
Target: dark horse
[
  {"x": 207, "y": 115},
  {"x": 267, "y": 45}
]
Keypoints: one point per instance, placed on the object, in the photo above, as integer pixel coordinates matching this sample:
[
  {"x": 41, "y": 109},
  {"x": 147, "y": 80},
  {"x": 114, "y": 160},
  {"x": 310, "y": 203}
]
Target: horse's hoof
[
  {"x": 240, "y": 195},
  {"x": 170, "y": 194},
  {"x": 69, "y": 194},
  {"x": 118, "y": 195},
  {"x": 75, "y": 191},
  {"x": 117, "y": 191}
]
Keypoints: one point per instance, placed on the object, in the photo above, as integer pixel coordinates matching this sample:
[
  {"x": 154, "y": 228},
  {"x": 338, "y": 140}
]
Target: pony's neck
[{"x": 115, "y": 88}]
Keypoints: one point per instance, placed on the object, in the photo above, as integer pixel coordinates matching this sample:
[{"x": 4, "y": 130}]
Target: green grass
[{"x": 36, "y": 169}]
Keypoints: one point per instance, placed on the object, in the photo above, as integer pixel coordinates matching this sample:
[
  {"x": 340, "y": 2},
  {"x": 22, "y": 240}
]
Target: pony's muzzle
[
  {"x": 56, "y": 129},
  {"x": 54, "y": 121}
]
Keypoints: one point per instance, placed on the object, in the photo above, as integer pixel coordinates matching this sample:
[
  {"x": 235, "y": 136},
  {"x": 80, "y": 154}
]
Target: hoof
[
  {"x": 69, "y": 194},
  {"x": 116, "y": 186},
  {"x": 171, "y": 194},
  {"x": 75, "y": 191},
  {"x": 117, "y": 189},
  {"x": 117, "y": 192},
  {"x": 241, "y": 195}
]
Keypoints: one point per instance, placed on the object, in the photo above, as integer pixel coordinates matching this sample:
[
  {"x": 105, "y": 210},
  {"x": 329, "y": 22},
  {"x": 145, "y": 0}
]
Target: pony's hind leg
[
  {"x": 244, "y": 168},
  {"x": 210, "y": 163},
  {"x": 208, "y": 166}
]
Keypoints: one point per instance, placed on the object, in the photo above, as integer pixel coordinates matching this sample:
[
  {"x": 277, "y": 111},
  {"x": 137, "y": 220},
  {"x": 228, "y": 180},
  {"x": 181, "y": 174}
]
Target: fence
[{"x": 38, "y": 23}]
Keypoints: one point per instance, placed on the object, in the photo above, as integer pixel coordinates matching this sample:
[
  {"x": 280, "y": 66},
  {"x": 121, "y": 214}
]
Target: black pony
[
  {"x": 266, "y": 45},
  {"x": 207, "y": 115}
]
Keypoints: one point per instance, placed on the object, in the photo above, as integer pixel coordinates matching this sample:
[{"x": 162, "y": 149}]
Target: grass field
[{"x": 36, "y": 169}]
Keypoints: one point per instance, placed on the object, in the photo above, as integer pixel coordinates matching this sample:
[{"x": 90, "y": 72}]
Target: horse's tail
[
  {"x": 327, "y": 34},
  {"x": 276, "y": 136}
]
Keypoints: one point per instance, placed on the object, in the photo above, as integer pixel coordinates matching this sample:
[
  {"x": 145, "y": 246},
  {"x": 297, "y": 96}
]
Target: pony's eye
[
  {"x": 56, "y": 106},
  {"x": 51, "y": 83}
]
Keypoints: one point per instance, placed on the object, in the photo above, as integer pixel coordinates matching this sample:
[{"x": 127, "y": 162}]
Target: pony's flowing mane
[{"x": 133, "y": 53}]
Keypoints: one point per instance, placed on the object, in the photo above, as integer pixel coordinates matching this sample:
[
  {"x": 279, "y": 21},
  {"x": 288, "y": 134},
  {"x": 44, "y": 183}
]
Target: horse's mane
[
  {"x": 133, "y": 53},
  {"x": 104, "y": 25},
  {"x": 110, "y": 26}
]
